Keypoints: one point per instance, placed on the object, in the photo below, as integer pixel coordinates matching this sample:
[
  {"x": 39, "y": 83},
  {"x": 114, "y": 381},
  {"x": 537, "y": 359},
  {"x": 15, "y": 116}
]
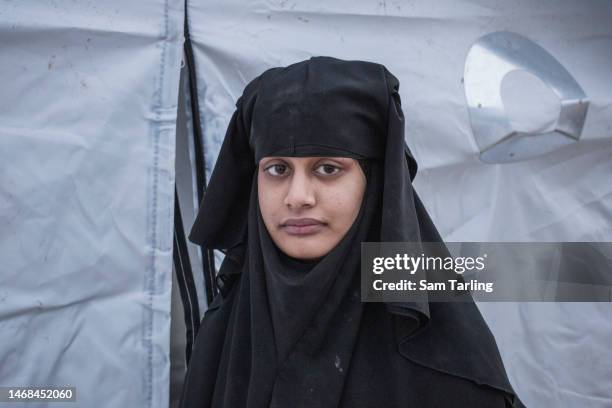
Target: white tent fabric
[
  {"x": 87, "y": 137},
  {"x": 87, "y": 125},
  {"x": 556, "y": 354}
]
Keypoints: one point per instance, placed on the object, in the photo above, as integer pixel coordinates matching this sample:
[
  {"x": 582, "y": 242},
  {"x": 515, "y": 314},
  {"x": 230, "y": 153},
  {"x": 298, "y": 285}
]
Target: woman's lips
[{"x": 302, "y": 226}]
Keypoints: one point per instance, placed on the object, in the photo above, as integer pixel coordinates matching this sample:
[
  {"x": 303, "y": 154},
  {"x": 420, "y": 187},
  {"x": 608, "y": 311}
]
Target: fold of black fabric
[{"x": 291, "y": 333}]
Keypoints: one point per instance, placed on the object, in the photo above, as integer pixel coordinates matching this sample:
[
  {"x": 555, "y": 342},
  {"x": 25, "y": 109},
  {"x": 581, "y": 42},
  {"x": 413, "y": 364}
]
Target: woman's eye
[
  {"x": 328, "y": 169},
  {"x": 276, "y": 169}
]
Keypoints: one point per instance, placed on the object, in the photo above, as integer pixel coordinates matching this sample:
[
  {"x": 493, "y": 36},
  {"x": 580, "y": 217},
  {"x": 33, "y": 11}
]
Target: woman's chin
[{"x": 304, "y": 250}]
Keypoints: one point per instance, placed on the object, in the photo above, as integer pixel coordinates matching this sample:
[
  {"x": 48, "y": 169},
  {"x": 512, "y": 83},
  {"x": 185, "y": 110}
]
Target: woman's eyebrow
[
  {"x": 341, "y": 160},
  {"x": 314, "y": 159},
  {"x": 267, "y": 160}
]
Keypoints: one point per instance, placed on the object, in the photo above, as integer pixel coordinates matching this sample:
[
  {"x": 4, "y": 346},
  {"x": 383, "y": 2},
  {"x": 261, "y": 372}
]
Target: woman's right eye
[{"x": 276, "y": 170}]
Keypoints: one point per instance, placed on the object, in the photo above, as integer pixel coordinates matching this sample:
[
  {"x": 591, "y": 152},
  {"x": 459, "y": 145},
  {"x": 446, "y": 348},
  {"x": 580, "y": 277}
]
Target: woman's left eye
[{"x": 327, "y": 169}]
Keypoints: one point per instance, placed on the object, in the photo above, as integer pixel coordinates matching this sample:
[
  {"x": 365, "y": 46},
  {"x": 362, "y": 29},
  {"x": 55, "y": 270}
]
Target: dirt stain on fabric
[{"x": 337, "y": 364}]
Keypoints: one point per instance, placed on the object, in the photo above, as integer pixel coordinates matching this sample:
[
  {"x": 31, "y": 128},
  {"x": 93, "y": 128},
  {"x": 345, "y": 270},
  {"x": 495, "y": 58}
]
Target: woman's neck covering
[{"x": 293, "y": 324}]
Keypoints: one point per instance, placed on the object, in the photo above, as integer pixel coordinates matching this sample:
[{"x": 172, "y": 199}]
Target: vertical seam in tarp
[{"x": 160, "y": 211}]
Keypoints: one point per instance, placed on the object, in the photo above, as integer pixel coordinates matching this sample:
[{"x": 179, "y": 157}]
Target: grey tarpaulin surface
[
  {"x": 87, "y": 136},
  {"x": 87, "y": 124}
]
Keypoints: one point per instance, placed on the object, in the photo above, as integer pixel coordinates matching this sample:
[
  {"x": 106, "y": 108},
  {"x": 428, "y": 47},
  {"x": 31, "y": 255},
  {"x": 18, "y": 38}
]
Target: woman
[{"x": 314, "y": 162}]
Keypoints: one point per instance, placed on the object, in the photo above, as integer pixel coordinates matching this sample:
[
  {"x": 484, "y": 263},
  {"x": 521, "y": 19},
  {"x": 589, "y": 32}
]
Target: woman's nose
[{"x": 301, "y": 192}]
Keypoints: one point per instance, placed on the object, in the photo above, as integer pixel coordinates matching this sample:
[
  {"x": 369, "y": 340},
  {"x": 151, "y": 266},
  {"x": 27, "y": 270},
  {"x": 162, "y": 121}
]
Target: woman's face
[{"x": 309, "y": 203}]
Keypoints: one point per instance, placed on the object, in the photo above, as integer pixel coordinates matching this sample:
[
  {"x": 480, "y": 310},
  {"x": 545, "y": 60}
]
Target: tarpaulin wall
[{"x": 88, "y": 110}]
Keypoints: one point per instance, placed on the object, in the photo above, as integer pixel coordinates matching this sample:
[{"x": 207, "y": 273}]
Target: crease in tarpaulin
[
  {"x": 51, "y": 30},
  {"x": 217, "y": 56},
  {"x": 559, "y": 220},
  {"x": 49, "y": 134},
  {"x": 330, "y": 14}
]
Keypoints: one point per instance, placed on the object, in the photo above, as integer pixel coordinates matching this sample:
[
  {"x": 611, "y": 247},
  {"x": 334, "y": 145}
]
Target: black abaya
[{"x": 289, "y": 333}]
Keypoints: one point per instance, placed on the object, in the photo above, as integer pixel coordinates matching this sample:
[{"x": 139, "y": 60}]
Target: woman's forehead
[{"x": 307, "y": 159}]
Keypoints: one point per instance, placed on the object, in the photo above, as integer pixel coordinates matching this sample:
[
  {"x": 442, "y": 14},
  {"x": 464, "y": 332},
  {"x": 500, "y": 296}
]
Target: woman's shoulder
[
  {"x": 456, "y": 341},
  {"x": 417, "y": 368}
]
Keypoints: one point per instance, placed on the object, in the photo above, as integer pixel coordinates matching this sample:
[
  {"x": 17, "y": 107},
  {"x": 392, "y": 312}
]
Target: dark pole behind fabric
[
  {"x": 208, "y": 260},
  {"x": 184, "y": 277}
]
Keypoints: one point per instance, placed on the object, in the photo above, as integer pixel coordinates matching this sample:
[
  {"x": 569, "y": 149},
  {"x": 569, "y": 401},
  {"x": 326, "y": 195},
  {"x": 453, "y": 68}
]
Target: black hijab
[{"x": 290, "y": 333}]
